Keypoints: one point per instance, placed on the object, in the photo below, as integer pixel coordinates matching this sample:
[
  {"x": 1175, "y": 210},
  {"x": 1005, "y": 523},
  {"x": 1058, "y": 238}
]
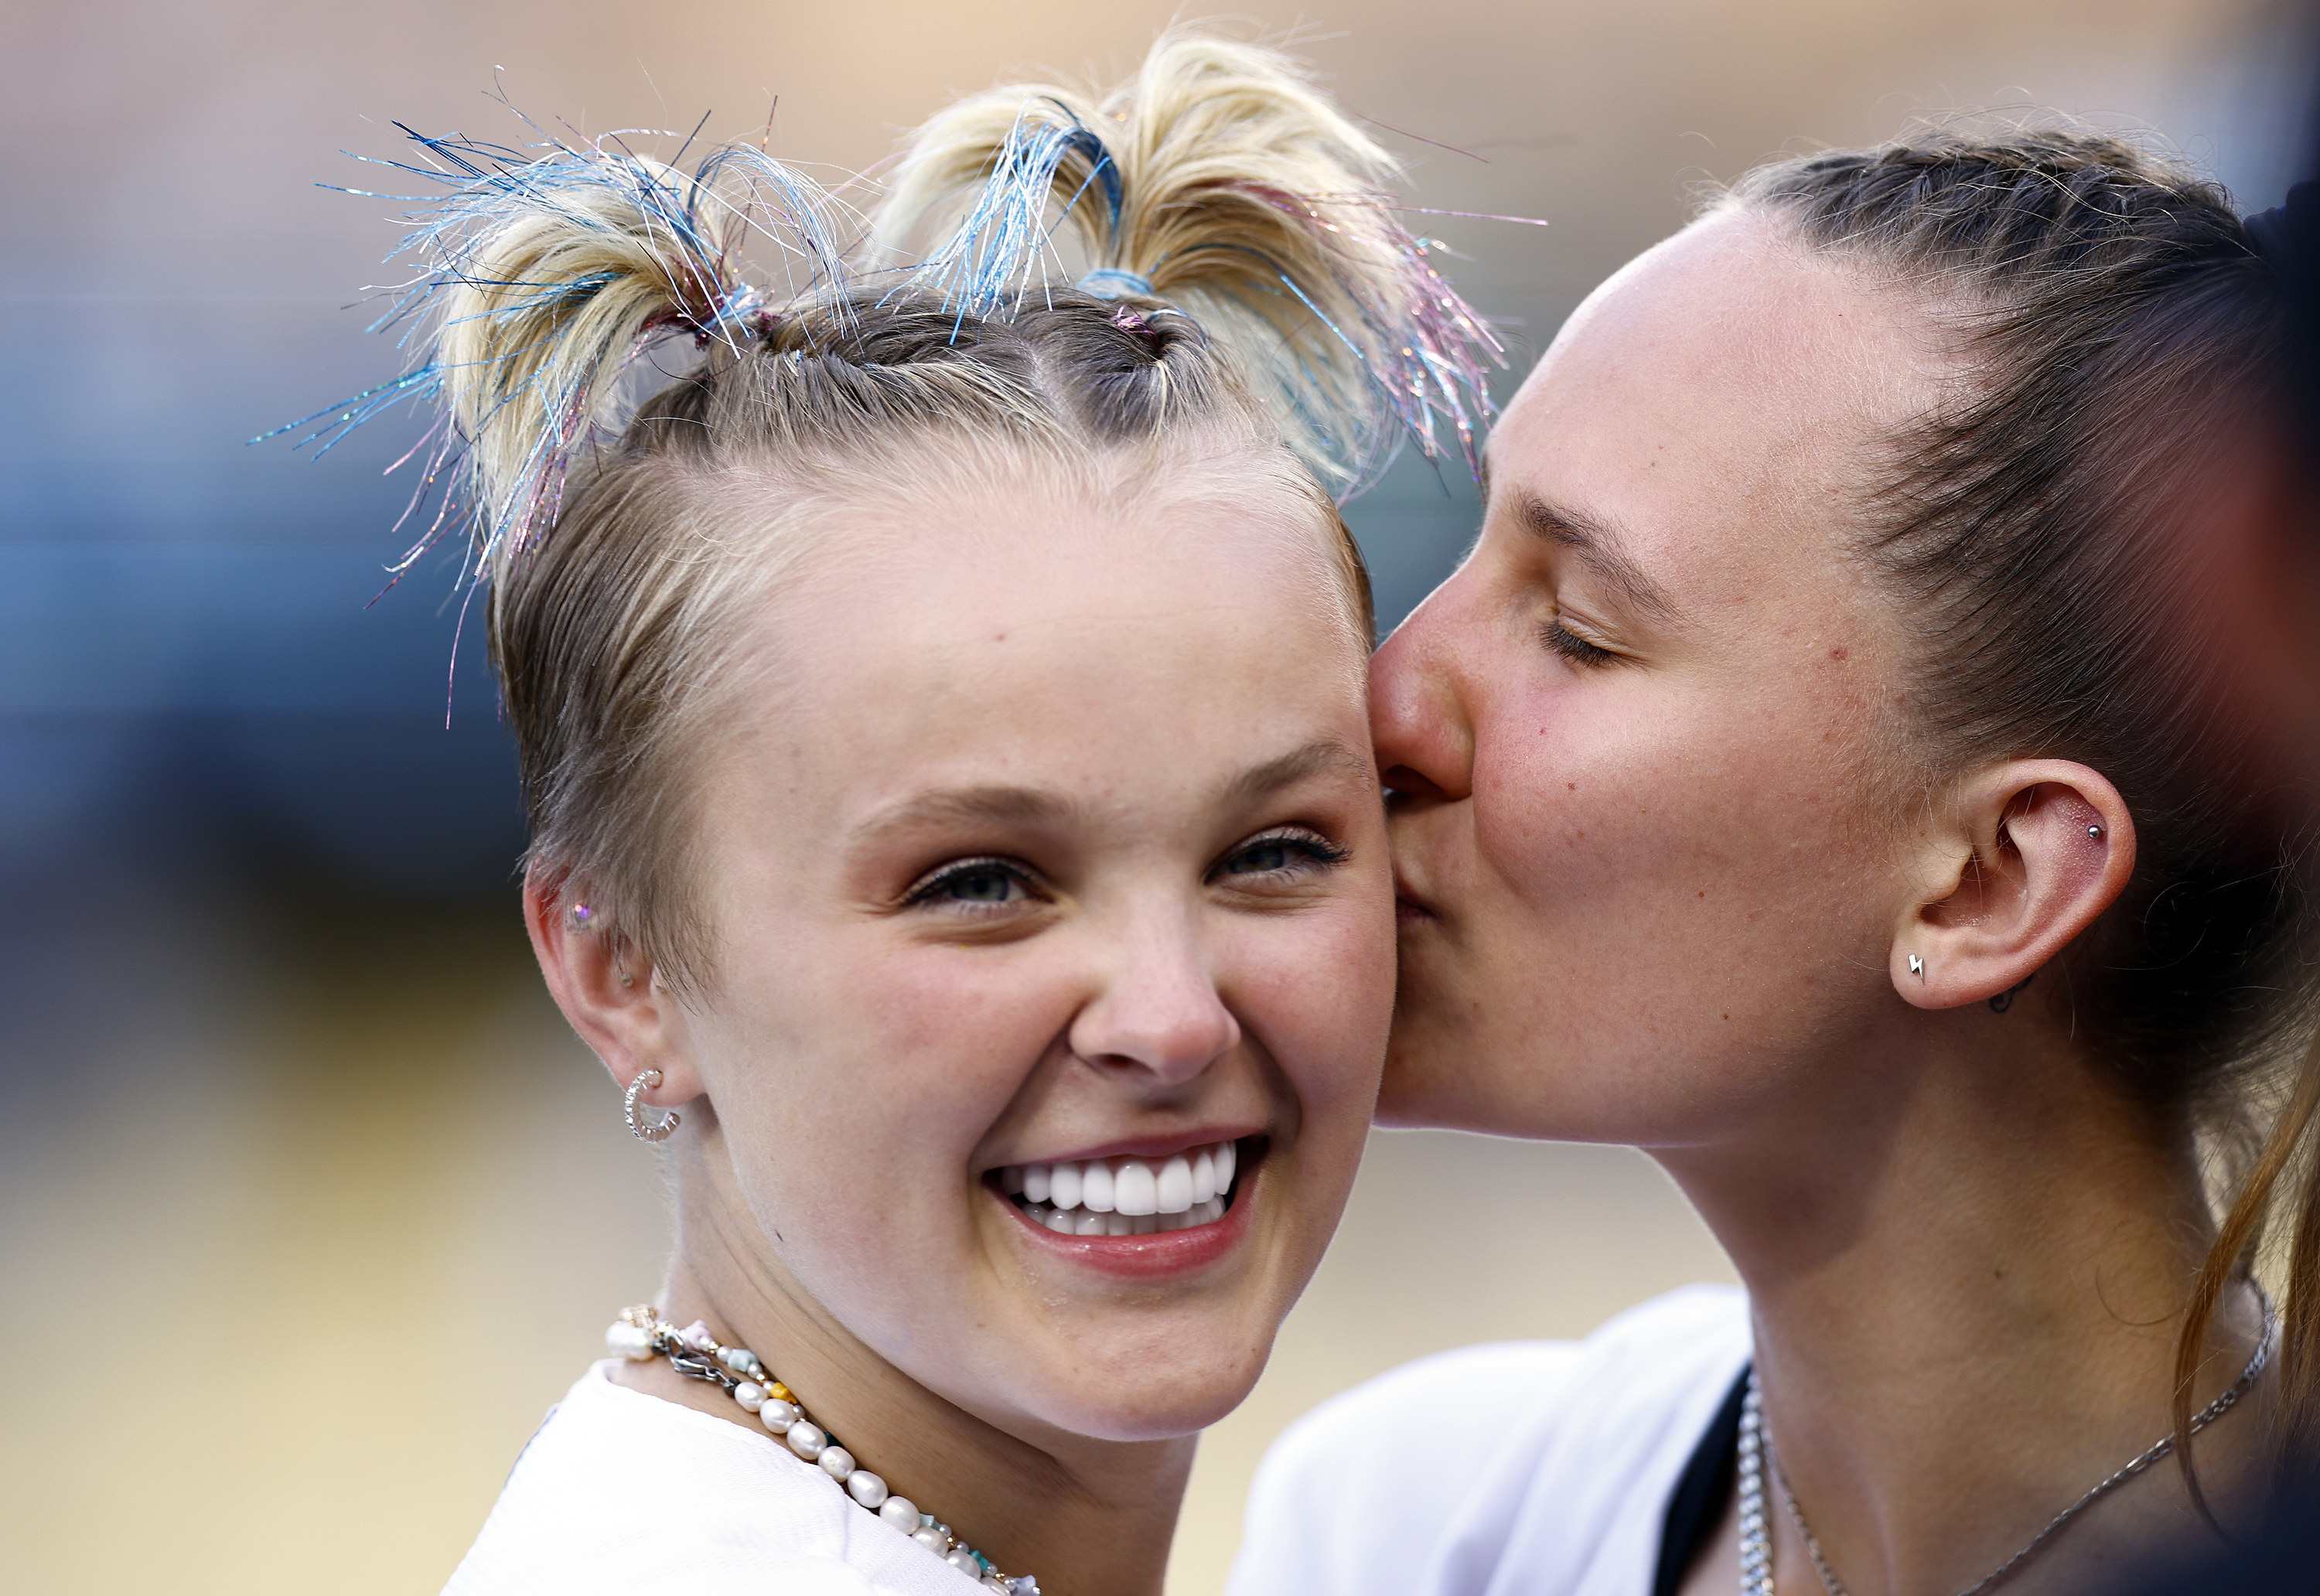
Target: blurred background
[{"x": 309, "y": 1203}]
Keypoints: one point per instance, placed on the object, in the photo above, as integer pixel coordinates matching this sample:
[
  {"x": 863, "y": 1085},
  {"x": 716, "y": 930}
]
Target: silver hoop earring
[
  {"x": 1917, "y": 967},
  {"x": 632, "y": 1099}
]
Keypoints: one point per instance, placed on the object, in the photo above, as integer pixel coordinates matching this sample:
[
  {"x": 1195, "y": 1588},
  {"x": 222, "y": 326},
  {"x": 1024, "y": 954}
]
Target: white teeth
[
  {"x": 1176, "y": 1184},
  {"x": 1134, "y": 1188},
  {"x": 1065, "y": 1221},
  {"x": 1200, "y": 1213},
  {"x": 1126, "y": 1196}
]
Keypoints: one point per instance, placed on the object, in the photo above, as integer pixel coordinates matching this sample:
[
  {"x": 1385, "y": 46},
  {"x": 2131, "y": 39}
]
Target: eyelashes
[
  {"x": 1560, "y": 639},
  {"x": 978, "y": 886},
  {"x": 1281, "y": 855},
  {"x": 994, "y": 885}
]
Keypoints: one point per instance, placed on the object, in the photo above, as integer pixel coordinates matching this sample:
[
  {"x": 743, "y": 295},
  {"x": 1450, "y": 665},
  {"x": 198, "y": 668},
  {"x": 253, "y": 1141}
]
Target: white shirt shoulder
[
  {"x": 620, "y": 1493},
  {"x": 1541, "y": 1468}
]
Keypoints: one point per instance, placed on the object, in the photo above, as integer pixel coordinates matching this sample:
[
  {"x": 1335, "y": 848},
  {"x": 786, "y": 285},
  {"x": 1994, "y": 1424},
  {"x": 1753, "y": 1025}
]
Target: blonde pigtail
[
  {"x": 543, "y": 278},
  {"x": 1217, "y": 183}
]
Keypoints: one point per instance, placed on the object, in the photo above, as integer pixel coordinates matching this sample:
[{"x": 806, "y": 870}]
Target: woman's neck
[
  {"x": 1087, "y": 1518},
  {"x": 1968, "y": 1266}
]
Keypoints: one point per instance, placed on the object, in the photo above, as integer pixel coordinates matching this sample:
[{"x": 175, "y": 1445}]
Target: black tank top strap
[{"x": 1695, "y": 1506}]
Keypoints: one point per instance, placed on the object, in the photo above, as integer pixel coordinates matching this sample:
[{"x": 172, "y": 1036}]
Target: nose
[
  {"x": 1158, "y": 1013},
  {"x": 1417, "y": 708}
]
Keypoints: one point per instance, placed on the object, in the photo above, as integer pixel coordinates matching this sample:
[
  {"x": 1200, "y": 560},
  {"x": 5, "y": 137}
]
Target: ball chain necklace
[
  {"x": 1757, "y": 1457},
  {"x": 640, "y": 1335}
]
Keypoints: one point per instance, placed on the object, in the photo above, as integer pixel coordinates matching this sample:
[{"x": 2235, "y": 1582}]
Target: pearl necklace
[
  {"x": 640, "y": 1335},
  {"x": 1756, "y": 1457}
]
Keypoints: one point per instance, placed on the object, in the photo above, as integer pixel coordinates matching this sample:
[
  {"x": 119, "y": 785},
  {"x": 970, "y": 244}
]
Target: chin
[
  {"x": 1153, "y": 1401},
  {"x": 1422, "y": 1088},
  {"x": 1442, "y": 1074},
  {"x": 1429, "y": 1105},
  {"x": 1430, "y": 1082},
  {"x": 1166, "y": 1419}
]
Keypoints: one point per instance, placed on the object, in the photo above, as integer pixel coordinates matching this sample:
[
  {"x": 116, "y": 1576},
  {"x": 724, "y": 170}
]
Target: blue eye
[
  {"x": 981, "y": 886},
  {"x": 1282, "y": 856},
  {"x": 972, "y": 883},
  {"x": 1265, "y": 857}
]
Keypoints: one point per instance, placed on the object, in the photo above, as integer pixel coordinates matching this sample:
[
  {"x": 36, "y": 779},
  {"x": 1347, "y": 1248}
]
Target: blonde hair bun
[
  {"x": 1218, "y": 181},
  {"x": 545, "y": 275}
]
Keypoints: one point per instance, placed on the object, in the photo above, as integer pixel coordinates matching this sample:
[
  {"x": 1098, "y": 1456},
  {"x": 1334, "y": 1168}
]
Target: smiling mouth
[{"x": 1126, "y": 1196}]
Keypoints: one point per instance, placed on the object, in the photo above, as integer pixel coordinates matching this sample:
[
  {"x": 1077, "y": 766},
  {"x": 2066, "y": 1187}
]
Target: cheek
[
  {"x": 1668, "y": 801},
  {"x": 863, "y": 1085},
  {"x": 1585, "y": 790},
  {"x": 1316, "y": 991},
  {"x": 946, "y": 1022}
]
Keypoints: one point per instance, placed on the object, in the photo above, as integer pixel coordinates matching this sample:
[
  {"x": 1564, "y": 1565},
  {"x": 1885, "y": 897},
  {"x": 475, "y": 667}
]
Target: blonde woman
[{"x": 953, "y": 824}]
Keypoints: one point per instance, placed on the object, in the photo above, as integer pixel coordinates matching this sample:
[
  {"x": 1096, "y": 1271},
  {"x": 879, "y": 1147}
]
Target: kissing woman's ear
[{"x": 2028, "y": 855}]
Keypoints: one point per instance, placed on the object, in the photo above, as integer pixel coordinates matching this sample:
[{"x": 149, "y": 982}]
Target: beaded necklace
[{"x": 640, "y": 1335}]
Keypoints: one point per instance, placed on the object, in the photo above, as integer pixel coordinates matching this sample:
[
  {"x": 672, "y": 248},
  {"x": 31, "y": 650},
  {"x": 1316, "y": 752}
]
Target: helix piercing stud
[
  {"x": 583, "y": 918},
  {"x": 629, "y": 1105},
  {"x": 1917, "y": 967},
  {"x": 2094, "y": 831}
]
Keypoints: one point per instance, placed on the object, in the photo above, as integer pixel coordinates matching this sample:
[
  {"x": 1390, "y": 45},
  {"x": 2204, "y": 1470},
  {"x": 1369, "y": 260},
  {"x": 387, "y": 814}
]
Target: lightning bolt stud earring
[{"x": 1917, "y": 966}]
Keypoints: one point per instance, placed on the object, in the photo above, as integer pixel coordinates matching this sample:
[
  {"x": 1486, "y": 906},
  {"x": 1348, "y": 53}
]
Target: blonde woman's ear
[
  {"x": 2027, "y": 857},
  {"x": 608, "y": 988}
]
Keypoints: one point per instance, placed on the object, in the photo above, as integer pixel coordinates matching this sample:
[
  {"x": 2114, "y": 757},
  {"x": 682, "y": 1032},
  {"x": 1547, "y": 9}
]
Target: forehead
[
  {"x": 1113, "y": 645},
  {"x": 1721, "y": 397}
]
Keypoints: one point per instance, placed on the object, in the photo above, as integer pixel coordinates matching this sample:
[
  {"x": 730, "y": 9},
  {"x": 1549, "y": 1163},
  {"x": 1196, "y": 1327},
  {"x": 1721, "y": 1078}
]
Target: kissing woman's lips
[{"x": 1410, "y": 907}]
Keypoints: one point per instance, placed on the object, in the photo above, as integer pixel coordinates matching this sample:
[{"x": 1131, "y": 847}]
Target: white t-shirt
[
  {"x": 623, "y": 1494},
  {"x": 1526, "y": 1468}
]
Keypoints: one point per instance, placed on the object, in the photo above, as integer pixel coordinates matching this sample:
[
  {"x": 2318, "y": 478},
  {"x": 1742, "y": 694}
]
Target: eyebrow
[
  {"x": 1324, "y": 754},
  {"x": 1601, "y": 546},
  {"x": 985, "y": 805},
  {"x": 1019, "y": 806}
]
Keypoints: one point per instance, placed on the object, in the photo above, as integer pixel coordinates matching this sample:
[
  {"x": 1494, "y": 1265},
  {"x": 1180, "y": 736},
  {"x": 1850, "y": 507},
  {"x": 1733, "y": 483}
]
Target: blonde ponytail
[{"x": 1220, "y": 184}]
